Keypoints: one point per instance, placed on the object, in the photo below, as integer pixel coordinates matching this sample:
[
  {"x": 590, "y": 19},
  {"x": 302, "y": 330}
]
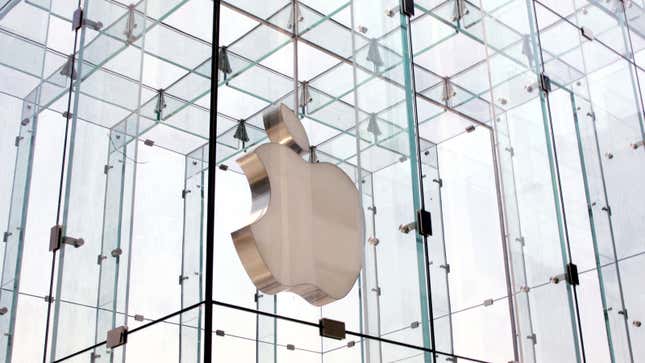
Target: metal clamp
[
  {"x": 56, "y": 238},
  {"x": 78, "y": 21},
  {"x": 117, "y": 337},
  {"x": 333, "y": 329},
  {"x": 587, "y": 33},
  {"x": 424, "y": 223}
]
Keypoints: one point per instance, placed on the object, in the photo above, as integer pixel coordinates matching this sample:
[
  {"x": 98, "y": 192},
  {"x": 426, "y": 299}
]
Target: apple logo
[{"x": 307, "y": 227}]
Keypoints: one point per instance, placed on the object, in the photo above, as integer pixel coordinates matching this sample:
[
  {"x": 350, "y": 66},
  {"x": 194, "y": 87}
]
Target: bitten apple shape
[{"x": 307, "y": 226}]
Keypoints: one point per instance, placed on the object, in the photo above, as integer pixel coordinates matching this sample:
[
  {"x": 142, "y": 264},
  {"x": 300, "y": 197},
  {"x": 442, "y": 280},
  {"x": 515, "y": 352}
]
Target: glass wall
[{"x": 156, "y": 210}]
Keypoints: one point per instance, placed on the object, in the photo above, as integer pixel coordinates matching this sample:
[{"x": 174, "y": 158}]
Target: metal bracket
[
  {"x": 572, "y": 274},
  {"x": 406, "y": 228},
  {"x": 182, "y": 278},
  {"x": 373, "y": 241},
  {"x": 257, "y": 296},
  {"x": 533, "y": 338},
  {"x": 130, "y": 25},
  {"x": 414, "y": 325},
  {"x": 488, "y": 302},
  {"x": 445, "y": 267},
  {"x": 76, "y": 242},
  {"x": 106, "y": 168},
  {"x": 623, "y": 312},
  {"x": 407, "y": 7},
  {"x": 587, "y": 33},
  {"x": 94, "y": 357},
  {"x": 116, "y": 252},
  {"x": 333, "y": 329},
  {"x": 557, "y": 278},
  {"x": 18, "y": 139},
  {"x": 424, "y": 223},
  {"x": 184, "y": 193},
  {"x": 545, "y": 83},
  {"x": 100, "y": 258},
  {"x": 55, "y": 237},
  {"x": 392, "y": 11},
  {"x": 510, "y": 151},
  {"x": 117, "y": 337},
  {"x": 372, "y": 209},
  {"x": 291, "y": 347},
  {"x": 377, "y": 290},
  {"x": 5, "y": 236},
  {"x": 3, "y": 310},
  {"x": 138, "y": 317},
  {"x": 521, "y": 240},
  {"x": 220, "y": 333},
  {"x": 607, "y": 209},
  {"x": 78, "y": 20},
  {"x": 438, "y": 181}
]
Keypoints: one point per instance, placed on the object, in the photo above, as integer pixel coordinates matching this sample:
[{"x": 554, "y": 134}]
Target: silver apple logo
[{"x": 306, "y": 228}]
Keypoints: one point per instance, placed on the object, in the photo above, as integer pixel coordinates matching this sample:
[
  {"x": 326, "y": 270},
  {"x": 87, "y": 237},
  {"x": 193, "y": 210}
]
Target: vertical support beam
[
  {"x": 119, "y": 172},
  {"x": 556, "y": 185},
  {"x": 423, "y": 261},
  {"x": 371, "y": 288},
  {"x": 190, "y": 338},
  {"x": 210, "y": 202},
  {"x": 266, "y": 329},
  {"x": 13, "y": 237},
  {"x": 438, "y": 256},
  {"x": 520, "y": 322}
]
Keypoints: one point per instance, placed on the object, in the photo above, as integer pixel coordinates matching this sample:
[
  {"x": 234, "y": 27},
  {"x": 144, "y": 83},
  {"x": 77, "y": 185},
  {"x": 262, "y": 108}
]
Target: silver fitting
[
  {"x": 557, "y": 278},
  {"x": 392, "y": 12},
  {"x": 636, "y": 145},
  {"x": 76, "y": 242},
  {"x": 406, "y": 228}
]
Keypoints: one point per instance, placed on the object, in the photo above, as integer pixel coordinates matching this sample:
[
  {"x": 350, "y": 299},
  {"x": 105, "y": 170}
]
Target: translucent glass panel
[{"x": 560, "y": 172}]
